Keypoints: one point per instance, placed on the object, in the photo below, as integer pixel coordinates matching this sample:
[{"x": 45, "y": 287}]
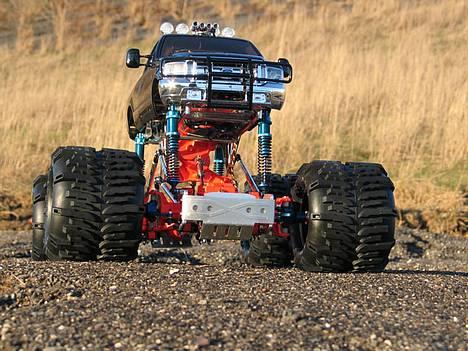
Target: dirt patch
[
  {"x": 423, "y": 205},
  {"x": 436, "y": 220},
  {"x": 7, "y": 284},
  {"x": 15, "y": 211}
]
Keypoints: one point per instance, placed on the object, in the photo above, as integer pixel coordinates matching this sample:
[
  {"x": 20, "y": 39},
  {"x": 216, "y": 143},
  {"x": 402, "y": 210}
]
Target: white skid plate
[{"x": 228, "y": 209}]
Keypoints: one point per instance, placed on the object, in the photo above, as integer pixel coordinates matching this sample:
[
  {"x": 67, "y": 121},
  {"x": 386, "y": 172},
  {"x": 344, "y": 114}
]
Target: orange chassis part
[{"x": 195, "y": 172}]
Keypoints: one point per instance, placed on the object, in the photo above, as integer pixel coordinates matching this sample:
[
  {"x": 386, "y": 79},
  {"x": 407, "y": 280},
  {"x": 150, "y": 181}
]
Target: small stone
[
  {"x": 118, "y": 345},
  {"x": 202, "y": 341},
  {"x": 7, "y": 299},
  {"x": 202, "y": 302},
  {"x": 113, "y": 287},
  {"x": 73, "y": 293},
  {"x": 61, "y": 327},
  {"x": 388, "y": 342},
  {"x": 173, "y": 271}
]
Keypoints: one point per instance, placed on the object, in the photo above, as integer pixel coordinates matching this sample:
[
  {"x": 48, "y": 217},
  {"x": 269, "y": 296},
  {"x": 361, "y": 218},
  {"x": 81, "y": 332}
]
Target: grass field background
[{"x": 380, "y": 81}]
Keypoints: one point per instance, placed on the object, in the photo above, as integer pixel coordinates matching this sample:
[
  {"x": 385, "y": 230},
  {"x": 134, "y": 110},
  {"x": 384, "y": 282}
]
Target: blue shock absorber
[
  {"x": 172, "y": 141},
  {"x": 218, "y": 162},
  {"x": 264, "y": 150},
  {"x": 140, "y": 145}
]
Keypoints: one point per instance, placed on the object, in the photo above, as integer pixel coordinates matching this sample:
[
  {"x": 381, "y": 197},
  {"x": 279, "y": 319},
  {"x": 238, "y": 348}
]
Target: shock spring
[
  {"x": 218, "y": 162},
  {"x": 264, "y": 150},
  {"x": 172, "y": 141},
  {"x": 140, "y": 145}
]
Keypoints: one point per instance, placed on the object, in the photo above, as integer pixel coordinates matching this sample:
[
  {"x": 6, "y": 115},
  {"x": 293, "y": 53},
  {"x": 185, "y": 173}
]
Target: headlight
[
  {"x": 270, "y": 72},
  {"x": 274, "y": 73},
  {"x": 181, "y": 68}
]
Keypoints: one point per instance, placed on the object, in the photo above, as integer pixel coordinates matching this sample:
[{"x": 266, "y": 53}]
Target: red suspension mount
[{"x": 163, "y": 199}]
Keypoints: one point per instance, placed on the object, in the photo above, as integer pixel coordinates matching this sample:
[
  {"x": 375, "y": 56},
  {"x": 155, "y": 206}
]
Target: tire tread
[
  {"x": 91, "y": 182},
  {"x": 353, "y": 229}
]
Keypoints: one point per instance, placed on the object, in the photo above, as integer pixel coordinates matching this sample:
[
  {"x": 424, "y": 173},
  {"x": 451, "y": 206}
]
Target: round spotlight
[
  {"x": 228, "y": 32},
  {"x": 182, "y": 28},
  {"x": 166, "y": 28}
]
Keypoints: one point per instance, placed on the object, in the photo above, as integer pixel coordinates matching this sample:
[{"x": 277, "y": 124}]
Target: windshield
[{"x": 190, "y": 43}]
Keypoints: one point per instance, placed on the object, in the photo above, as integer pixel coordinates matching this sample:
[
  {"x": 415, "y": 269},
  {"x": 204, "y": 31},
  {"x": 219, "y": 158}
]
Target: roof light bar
[
  {"x": 205, "y": 29},
  {"x": 208, "y": 29}
]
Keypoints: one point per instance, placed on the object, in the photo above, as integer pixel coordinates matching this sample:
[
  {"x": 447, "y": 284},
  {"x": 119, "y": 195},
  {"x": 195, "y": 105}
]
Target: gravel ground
[{"x": 203, "y": 298}]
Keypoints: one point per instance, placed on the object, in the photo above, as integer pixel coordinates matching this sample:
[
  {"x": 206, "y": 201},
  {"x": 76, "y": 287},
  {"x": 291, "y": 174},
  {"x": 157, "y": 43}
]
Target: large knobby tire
[
  {"x": 38, "y": 212},
  {"x": 94, "y": 204},
  {"x": 267, "y": 249},
  {"x": 351, "y": 217}
]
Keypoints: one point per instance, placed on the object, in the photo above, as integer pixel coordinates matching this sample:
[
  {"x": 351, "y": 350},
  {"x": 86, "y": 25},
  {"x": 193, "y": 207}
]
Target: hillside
[{"x": 383, "y": 82}]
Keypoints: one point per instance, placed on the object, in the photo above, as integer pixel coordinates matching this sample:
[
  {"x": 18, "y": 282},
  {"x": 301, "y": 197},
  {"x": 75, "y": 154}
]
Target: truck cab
[{"x": 211, "y": 77}]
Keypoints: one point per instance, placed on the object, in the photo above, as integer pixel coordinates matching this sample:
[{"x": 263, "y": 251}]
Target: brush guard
[{"x": 247, "y": 80}]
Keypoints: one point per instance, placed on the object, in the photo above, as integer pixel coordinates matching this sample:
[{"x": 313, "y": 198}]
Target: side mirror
[
  {"x": 286, "y": 67},
  {"x": 133, "y": 58}
]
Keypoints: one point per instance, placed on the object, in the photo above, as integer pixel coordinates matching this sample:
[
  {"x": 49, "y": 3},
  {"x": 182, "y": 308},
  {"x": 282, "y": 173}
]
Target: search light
[
  {"x": 182, "y": 28},
  {"x": 166, "y": 28},
  {"x": 228, "y": 32}
]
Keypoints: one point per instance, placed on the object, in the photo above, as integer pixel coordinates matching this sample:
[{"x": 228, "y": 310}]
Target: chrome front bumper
[{"x": 193, "y": 92}]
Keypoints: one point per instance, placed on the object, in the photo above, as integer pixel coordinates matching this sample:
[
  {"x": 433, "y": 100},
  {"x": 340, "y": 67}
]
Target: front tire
[
  {"x": 351, "y": 217},
  {"x": 94, "y": 205}
]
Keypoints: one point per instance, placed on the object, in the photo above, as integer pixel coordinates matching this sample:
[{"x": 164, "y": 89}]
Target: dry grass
[{"x": 381, "y": 81}]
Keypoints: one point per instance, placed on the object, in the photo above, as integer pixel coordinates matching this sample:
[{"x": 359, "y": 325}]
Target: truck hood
[{"x": 205, "y": 54}]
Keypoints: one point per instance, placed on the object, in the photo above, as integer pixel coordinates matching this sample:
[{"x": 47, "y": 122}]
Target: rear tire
[
  {"x": 267, "y": 249},
  {"x": 94, "y": 205},
  {"x": 38, "y": 213},
  {"x": 351, "y": 217}
]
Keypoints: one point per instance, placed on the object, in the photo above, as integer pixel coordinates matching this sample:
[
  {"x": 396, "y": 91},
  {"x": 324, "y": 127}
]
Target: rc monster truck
[{"x": 200, "y": 91}]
